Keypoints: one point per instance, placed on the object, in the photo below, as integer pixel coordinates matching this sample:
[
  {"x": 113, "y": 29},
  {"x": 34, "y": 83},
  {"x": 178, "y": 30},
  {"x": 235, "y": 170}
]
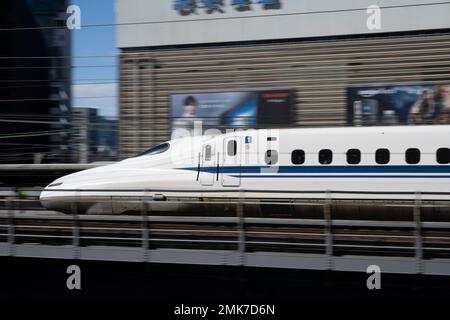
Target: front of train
[
  {"x": 89, "y": 190},
  {"x": 98, "y": 190}
]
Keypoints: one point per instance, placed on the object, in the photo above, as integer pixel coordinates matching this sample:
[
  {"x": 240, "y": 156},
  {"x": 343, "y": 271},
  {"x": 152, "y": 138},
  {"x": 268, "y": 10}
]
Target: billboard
[
  {"x": 232, "y": 110},
  {"x": 147, "y": 23},
  {"x": 391, "y": 105}
]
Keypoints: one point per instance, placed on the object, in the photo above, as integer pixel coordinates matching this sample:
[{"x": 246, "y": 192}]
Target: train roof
[
  {"x": 355, "y": 130},
  {"x": 333, "y": 131}
]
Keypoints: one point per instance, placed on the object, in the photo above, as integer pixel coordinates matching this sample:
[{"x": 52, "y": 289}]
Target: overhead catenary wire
[
  {"x": 57, "y": 67},
  {"x": 55, "y": 99},
  {"x": 48, "y": 122},
  {"x": 72, "y": 129},
  {"x": 31, "y": 134},
  {"x": 54, "y": 80},
  {"x": 29, "y": 144},
  {"x": 32, "y": 116},
  {"x": 59, "y": 57},
  {"x": 46, "y": 86}
]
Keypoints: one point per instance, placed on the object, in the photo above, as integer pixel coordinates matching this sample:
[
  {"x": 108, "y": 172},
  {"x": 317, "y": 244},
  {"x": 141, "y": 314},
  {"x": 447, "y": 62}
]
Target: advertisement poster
[
  {"x": 232, "y": 110},
  {"x": 275, "y": 109},
  {"x": 391, "y": 105}
]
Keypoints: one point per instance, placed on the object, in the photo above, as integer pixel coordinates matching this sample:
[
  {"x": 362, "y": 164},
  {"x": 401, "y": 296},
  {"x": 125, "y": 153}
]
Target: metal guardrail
[{"x": 322, "y": 243}]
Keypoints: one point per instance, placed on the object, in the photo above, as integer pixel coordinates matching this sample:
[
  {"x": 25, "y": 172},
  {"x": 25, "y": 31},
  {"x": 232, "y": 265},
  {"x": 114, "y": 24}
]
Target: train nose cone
[
  {"x": 45, "y": 201},
  {"x": 52, "y": 199}
]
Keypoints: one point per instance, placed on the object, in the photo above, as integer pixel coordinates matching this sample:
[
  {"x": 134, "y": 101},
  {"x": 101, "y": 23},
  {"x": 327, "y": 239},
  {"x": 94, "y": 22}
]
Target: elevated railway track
[{"x": 415, "y": 240}]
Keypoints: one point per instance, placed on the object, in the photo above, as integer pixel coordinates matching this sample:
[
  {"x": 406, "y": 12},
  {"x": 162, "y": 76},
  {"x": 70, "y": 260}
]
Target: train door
[
  {"x": 231, "y": 164},
  {"x": 208, "y": 163}
]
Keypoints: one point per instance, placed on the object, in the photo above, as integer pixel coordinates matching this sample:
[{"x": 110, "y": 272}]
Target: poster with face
[
  {"x": 213, "y": 110},
  {"x": 391, "y": 105},
  {"x": 232, "y": 110}
]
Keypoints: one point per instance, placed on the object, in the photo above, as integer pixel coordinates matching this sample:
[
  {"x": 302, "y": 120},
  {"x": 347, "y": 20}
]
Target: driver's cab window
[{"x": 155, "y": 150}]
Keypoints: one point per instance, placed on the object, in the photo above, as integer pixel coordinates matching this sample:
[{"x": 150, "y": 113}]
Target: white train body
[{"x": 395, "y": 163}]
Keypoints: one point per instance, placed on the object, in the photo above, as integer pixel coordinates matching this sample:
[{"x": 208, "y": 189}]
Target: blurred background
[
  {"x": 58, "y": 100},
  {"x": 137, "y": 70}
]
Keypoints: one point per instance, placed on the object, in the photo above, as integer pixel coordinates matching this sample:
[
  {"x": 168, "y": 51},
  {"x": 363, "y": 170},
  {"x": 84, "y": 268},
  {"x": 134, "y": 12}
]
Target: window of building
[
  {"x": 443, "y": 156},
  {"x": 382, "y": 156},
  {"x": 271, "y": 157},
  {"x": 298, "y": 157},
  {"x": 353, "y": 156},
  {"x": 208, "y": 153},
  {"x": 232, "y": 148},
  {"x": 325, "y": 156},
  {"x": 412, "y": 156}
]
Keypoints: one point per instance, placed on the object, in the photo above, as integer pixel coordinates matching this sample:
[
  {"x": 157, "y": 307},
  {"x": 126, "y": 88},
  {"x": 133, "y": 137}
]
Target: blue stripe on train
[{"x": 382, "y": 169}]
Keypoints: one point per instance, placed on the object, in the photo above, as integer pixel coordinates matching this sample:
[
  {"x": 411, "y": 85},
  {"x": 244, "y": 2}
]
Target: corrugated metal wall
[{"x": 320, "y": 71}]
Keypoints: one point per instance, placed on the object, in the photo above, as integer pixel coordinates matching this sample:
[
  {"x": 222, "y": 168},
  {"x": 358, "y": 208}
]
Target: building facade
[
  {"x": 322, "y": 63},
  {"x": 35, "y": 81},
  {"x": 93, "y": 137},
  {"x": 83, "y": 137}
]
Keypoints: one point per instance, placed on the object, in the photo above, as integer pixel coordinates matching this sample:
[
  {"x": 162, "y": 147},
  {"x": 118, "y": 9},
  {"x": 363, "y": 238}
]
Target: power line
[
  {"x": 32, "y": 116},
  {"x": 58, "y": 67},
  {"x": 29, "y": 144},
  {"x": 56, "y": 80},
  {"x": 58, "y": 57},
  {"x": 88, "y": 83},
  {"x": 28, "y": 115},
  {"x": 46, "y": 133},
  {"x": 91, "y": 123},
  {"x": 32, "y": 134},
  {"x": 224, "y": 18},
  {"x": 53, "y": 99},
  {"x": 21, "y": 148},
  {"x": 46, "y": 86},
  {"x": 95, "y": 83}
]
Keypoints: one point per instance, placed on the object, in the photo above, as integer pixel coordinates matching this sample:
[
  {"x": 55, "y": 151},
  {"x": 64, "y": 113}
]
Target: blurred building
[
  {"x": 93, "y": 137},
  {"x": 35, "y": 79},
  {"x": 322, "y": 63},
  {"x": 106, "y": 140},
  {"x": 83, "y": 138}
]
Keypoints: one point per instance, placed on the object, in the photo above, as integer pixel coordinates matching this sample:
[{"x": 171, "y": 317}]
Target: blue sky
[{"x": 95, "y": 41}]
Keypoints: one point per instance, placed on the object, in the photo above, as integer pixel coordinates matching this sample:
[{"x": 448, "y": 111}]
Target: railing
[{"x": 414, "y": 241}]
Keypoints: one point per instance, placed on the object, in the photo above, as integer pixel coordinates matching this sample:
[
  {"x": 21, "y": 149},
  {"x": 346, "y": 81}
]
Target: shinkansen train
[{"x": 396, "y": 163}]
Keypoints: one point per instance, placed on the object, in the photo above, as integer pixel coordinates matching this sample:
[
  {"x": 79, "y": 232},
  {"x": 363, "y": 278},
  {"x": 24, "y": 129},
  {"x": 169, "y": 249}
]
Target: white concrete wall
[{"x": 161, "y": 25}]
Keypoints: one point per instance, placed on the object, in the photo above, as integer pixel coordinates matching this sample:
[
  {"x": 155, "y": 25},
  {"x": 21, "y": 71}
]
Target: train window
[
  {"x": 412, "y": 156},
  {"x": 298, "y": 157},
  {"x": 271, "y": 157},
  {"x": 208, "y": 153},
  {"x": 382, "y": 156},
  {"x": 443, "y": 156},
  {"x": 353, "y": 156},
  {"x": 326, "y": 156},
  {"x": 232, "y": 148},
  {"x": 156, "y": 150}
]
